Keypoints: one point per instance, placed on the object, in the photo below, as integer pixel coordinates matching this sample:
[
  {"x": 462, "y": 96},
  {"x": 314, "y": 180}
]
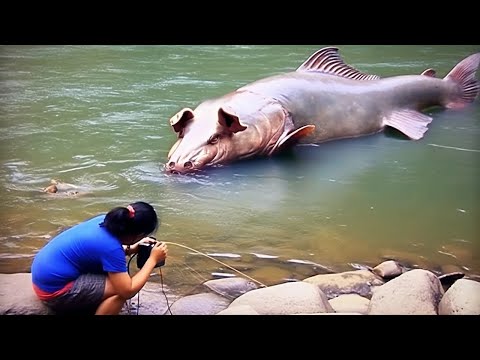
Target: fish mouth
[
  {"x": 176, "y": 172},
  {"x": 188, "y": 167},
  {"x": 193, "y": 165}
]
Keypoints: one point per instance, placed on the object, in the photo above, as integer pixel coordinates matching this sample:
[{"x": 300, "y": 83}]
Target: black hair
[{"x": 135, "y": 219}]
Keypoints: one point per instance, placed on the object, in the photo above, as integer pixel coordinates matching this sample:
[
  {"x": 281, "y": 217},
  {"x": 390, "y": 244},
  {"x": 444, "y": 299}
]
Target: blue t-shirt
[{"x": 81, "y": 249}]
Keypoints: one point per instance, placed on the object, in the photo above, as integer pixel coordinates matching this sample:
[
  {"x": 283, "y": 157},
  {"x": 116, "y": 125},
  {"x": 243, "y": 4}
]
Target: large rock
[
  {"x": 350, "y": 303},
  {"x": 388, "y": 269},
  {"x": 462, "y": 298},
  {"x": 285, "y": 299},
  {"x": 17, "y": 296},
  {"x": 230, "y": 288},
  {"x": 199, "y": 304},
  {"x": 238, "y": 310},
  {"x": 416, "y": 292},
  {"x": 358, "y": 282},
  {"x": 150, "y": 300}
]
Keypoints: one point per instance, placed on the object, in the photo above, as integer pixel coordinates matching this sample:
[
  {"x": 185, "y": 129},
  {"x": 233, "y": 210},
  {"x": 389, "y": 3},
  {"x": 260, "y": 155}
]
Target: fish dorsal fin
[{"x": 327, "y": 60}]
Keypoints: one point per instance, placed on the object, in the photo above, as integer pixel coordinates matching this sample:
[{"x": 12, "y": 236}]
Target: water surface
[{"x": 97, "y": 117}]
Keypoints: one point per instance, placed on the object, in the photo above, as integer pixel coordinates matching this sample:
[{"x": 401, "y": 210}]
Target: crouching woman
[{"x": 83, "y": 270}]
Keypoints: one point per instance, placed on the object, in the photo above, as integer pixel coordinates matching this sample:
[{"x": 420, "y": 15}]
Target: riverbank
[{"x": 387, "y": 289}]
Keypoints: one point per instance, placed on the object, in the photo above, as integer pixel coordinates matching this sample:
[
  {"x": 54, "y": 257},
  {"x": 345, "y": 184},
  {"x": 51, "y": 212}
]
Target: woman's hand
[
  {"x": 159, "y": 252},
  {"x": 133, "y": 249},
  {"x": 146, "y": 240}
]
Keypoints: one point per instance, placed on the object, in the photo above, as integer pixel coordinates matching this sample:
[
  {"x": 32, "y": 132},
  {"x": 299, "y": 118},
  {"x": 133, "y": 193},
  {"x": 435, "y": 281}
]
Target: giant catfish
[{"x": 324, "y": 99}]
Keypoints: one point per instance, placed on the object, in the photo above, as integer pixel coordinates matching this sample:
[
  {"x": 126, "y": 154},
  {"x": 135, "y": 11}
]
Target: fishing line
[
  {"x": 220, "y": 262},
  {"x": 161, "y": 275}
]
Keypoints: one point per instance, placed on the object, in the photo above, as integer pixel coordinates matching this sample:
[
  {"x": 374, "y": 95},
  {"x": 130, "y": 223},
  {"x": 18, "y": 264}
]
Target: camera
[{"x": 144, "y": 250}]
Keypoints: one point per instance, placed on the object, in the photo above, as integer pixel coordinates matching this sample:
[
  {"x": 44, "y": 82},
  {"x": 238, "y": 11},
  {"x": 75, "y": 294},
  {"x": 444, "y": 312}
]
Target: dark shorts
[{"x": 83, "y": 298}]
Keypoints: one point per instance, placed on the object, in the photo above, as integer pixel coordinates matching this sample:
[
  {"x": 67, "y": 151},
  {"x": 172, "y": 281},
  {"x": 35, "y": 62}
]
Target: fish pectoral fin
[
  {"x": 410, "y": 122},
  {"x": 292, "y": 137},
  {"x": 430, "y": 73}
]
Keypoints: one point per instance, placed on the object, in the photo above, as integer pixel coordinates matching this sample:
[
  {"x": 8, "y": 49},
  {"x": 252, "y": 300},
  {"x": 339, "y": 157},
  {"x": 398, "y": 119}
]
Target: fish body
[{"x": 324, "y": 99}]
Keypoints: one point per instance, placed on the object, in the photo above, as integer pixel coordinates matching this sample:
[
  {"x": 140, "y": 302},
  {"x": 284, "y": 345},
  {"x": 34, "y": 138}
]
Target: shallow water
[{"x": 97, "y": 117}]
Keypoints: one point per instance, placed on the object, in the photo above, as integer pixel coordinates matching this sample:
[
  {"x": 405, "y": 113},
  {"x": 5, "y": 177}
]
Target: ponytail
[{"x": 135, "y": 219}]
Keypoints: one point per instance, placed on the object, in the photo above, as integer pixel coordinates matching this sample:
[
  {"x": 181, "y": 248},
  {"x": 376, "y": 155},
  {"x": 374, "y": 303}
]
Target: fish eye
[{"x": 214, "y": 139}]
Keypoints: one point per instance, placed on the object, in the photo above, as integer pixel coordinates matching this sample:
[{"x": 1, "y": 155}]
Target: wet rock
[
  {"x": 285, "y": 299},
  {"x": 350, "y": 303},
  {"x": 231, "y": 288},
  {"x": 238, "y": 310},
  {"x": 447, "y": 280},
  {"x": 200, "y": 304},
  {"x": 388, "y": 269},
  {"x": 359, "y": 282},
  {"x": 416, "y": 292},
  {"x": 150, "y": 300},
  {"x": 334, "y": 313},
  {"x": 408, "y": 259},
  {"x": 462, "y": 298},
  {"x": 17, "y": 296}
]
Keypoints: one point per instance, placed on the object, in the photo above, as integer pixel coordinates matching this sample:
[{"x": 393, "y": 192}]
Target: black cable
[
  {"x": 163, "y": 291},
  {"x": 161, "y": 280},
  {"x": 138, "y": 294}
]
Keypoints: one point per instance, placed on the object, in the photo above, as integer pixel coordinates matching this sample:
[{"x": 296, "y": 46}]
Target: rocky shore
[{"x": 387, "y": 289}]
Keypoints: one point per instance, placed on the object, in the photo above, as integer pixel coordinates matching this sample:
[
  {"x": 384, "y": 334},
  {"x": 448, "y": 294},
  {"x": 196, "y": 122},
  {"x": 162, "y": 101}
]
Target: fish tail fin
[{"x": 463, "y": 74}]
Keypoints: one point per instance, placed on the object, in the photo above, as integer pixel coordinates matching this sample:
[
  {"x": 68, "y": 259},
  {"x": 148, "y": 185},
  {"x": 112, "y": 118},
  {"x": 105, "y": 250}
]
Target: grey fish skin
[
  {"x": 342, "y": 108},
  {"x": 324, "y": 99}
]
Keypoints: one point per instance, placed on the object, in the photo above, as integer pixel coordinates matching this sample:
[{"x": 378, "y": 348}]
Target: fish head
[
  {"x": 206, "y": 137},
  {"x": 237, "y": 126}
]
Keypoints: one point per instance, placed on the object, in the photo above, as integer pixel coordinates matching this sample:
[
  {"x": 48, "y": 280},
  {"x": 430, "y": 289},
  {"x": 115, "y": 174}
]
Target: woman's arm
[{"x": 127, "y": 286}]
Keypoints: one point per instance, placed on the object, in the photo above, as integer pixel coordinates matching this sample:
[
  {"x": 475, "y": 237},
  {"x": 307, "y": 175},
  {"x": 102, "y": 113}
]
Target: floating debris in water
[
  {"x": 308, "y": 262},
  {"x": 222, "y": 275},
  {"x": 227, "y": 255},
  {"x": 418, "y": 244},
  {"x": 454, "y": 148},
  {"x": 446, "y": 253},
  {"x": 360, "y": 266},
  {"x": 461, "y": 240},
  {"x": 304, "y": 262},
  {"x": 264, "y": 256}
]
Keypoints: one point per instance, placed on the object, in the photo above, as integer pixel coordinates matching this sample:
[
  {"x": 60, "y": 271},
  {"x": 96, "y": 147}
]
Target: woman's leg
[
  {"x": 85, "y": 295},
  {"x": 111, "y": 303}
]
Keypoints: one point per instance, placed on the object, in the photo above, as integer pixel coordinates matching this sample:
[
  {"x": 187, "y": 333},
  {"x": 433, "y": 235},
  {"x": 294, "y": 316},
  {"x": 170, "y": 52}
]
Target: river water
[{"x": 97, "y": 117}]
